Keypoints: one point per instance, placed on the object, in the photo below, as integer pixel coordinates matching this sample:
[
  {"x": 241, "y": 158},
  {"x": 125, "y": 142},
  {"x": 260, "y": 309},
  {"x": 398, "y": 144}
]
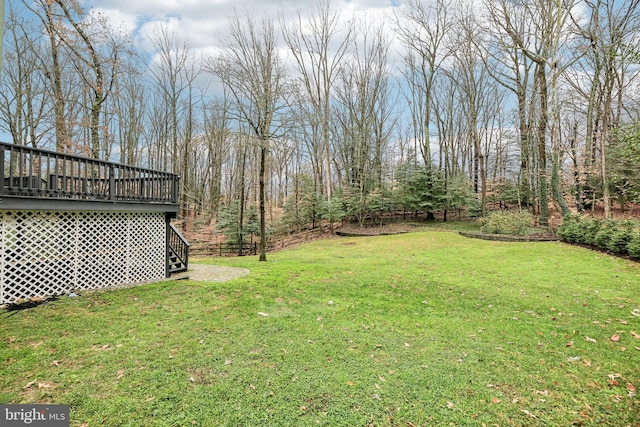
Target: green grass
[{"x": 421, "y": 329}]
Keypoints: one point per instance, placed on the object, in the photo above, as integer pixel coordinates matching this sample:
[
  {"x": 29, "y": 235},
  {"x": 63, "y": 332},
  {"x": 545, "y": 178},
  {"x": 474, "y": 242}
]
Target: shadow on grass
[{"x": 11, "y": 308}]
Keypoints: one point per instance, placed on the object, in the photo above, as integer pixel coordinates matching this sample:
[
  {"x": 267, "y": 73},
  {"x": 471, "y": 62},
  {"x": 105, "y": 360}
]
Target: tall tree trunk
[
  {"x": 263, "y": 228},
  {"x": 542, "y": 146}
]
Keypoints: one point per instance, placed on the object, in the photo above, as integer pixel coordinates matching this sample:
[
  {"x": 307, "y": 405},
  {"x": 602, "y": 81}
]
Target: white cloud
[{"x": 202, "y": 22}]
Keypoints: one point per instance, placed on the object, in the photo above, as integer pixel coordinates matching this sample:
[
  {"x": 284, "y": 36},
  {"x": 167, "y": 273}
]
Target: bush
[
  {"x": 571, "y": 229},
  {"x": 604, "y": 234},
  {"x": 620, "y": 237},
  {"x": 590, "y": 231},
  {"x": 507, "y": 222},
  {"x": 633, "y": 247}
]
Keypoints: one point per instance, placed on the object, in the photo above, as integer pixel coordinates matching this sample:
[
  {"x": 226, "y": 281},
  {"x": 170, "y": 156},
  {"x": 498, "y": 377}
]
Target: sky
[{"x": 203, "y": 22}]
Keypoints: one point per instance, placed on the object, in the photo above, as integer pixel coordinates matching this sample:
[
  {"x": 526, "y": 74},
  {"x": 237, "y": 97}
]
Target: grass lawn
[{"x": 426, "y": 328}]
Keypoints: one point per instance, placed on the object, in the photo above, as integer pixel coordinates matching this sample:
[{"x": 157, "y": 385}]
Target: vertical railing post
[
  {"x": 176, "y": 188},
  {"x": 3, "y": 171},
  {"x": 112, "y": 182}
]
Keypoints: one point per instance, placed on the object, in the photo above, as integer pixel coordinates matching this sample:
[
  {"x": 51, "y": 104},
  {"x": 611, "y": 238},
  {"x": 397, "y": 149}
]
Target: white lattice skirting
[{"x": 52, "y": 253}]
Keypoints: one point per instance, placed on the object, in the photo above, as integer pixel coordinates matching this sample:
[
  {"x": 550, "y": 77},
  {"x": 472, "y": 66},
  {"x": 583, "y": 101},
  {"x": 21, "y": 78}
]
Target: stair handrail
[{"x": 179, "y": 245}]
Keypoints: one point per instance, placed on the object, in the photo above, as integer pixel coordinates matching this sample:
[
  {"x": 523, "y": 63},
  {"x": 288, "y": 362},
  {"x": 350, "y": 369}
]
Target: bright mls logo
[{"x": 34, "y": 415}]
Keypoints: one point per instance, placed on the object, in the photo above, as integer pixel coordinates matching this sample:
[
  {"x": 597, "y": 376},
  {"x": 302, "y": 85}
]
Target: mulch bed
[
  {"x": 351, "y": 230},
  {"x": 509, "y": 238}
]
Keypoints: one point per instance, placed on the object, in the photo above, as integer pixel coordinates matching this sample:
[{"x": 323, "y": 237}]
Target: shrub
[
  {"x": 571, "y": 229},
  {"x": 507, "y": 222},
  {"x": 590, "y": 230},
  {"x": 604, "y": 234},
  {"x": 633, "y": 247},
  {"x": 620, "y": 238}
]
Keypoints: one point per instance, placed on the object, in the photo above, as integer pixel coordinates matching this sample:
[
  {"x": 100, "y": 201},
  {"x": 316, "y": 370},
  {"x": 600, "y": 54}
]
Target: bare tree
[
  {"x": 174, "y": 70},
  {"x": 54, "y": 67},
  {"x": 1, "y": 29},
  {"x": 216, "y": 132},
  {"x": 252, "y": 71},
  {"x": 318, "y": 52},
  {"x": 539, "y": 43},
  {"x": 365, "y": 116},
  {"x": 94, "y": 48},
  {"x": 608, "y": 34},
  {"x": 25, "y": 104},
  {"x": 424, "y": 30},
  {"x": 472, "y": 81},
  {"x": 129, "y": 106}
]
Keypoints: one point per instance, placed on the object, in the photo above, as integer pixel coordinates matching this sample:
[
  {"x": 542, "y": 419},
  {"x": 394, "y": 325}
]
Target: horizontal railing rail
[
  {"x": 36, "y": 173},
  {"x": 227, "y": 249}
]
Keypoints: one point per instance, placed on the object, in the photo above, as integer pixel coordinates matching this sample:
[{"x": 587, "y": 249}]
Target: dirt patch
[{"x": 212, "y": 273}]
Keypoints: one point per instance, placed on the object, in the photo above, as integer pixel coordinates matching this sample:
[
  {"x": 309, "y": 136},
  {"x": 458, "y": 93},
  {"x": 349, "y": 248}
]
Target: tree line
[{"x": 451, "y": 105}]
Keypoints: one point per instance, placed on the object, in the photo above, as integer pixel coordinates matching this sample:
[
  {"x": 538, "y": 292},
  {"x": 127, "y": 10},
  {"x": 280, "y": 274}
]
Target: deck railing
[{"x": 36, "y": 173}]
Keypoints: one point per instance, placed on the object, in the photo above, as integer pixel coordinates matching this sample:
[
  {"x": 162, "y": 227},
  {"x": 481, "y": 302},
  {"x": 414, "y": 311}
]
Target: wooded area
[{"x": 452, "y": 105}]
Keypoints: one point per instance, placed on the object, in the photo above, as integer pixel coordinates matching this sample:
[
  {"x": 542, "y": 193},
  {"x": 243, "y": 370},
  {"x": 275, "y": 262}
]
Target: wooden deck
[{"x": 45, "y": 180}]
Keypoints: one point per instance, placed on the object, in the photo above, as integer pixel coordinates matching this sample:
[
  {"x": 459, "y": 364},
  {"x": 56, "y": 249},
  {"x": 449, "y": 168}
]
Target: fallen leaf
[
  {"x": 56, "y": 363},
  {"x": 631, "y": 387},
  {"x": 495, "y": 400},
  {"x": 615, "y": 338},
  {"x": 589, "y": 339},
  {"x": 192, "y": 379},
  {"x": 120, "y": 374},
  {"x": 450, "y": 405},
  {"x": 349, "y": 382},
  {"x": 263, "y": 314},
  {"x": 29, "y": 384},
  {"x": 635, "y": 335},
  {"x": 406, "y": 344},
  {"x": 377, "y": 386},
  {"x": 569, "y": 344}
]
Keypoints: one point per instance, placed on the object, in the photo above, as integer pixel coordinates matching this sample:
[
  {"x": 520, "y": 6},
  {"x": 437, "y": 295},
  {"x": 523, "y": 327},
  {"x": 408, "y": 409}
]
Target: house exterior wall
[{"x": 48, "y": 253}]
